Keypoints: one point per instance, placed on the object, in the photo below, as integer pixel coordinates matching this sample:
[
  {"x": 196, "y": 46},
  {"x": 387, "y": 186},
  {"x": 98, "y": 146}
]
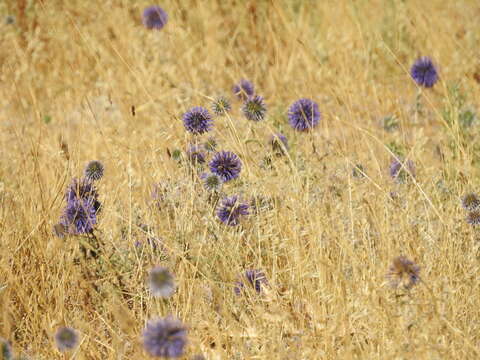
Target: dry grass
[{"x": 72, "y": 70}]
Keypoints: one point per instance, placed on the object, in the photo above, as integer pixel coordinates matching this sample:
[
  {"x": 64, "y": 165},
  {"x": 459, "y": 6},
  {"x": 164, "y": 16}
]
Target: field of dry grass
[{"x": 71, "y": 74}]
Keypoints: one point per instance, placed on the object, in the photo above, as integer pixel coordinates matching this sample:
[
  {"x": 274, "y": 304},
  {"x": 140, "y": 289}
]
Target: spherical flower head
[
  {"x": 94, "y": 170},
  {"x": 304, "y": 114},
  {"x": 197, "y": 120},
  {"x": 165, "y": 337},
  {"x": 243, "y": 89},
  {"x": 161, "y": 282},
  {"x": 254, "y": 108},
  {"x": 221, "y": 105},
  {"x": 231, "y": 210},
  {"x": 5, "y": 350},
  {"x": 399, "y": 170},
  {"x": 226, "y": 164},
  {"x": 470, "y": 202},
  {"x": 196, "y": 155},
  {"x": 79, "y": 216},
  {"x": 403, "y": 272},
  {"x": 279, "y": 143},
  {"x": 66, "y": 338},
  {"x": 154, "y": 17},
  {"x": 81, "y": 189},
  {"x": 211, "y": 182},
  {"x": 424, "y": 73},
  {"x": 473, "y": 217},
  {"x": 256, "y": 279}
]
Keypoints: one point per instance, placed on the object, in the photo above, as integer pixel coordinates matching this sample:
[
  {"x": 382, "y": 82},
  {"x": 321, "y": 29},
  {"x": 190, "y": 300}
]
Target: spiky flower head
[
  {"x": 94, "y": 170},
  {"x": 211, "y": 182},
  {"x": 221, "y": 105},
  {"x": 243, "y": 89},
  {"x": 279, "y": 143},
  {"x": 304, "y": 114},
  {"x": 254, "y": 108},
  {"x": 403, "y": 272},
  {"x": 79, "y": 217},
  {"x": 197, "y": 120},
  {"x": 83, "y": 189},
  {"x": 165, "y": 337},
  {"x": 154, "y": 17},
  {"x": 226, "y": 164},
  {"x": 256, "y": 279},
  {"x": 161, "y": 282},
  {"x": 424, "y": 73},
  {"x": 231, "y": 210},
  {"x": 66, "y": 338},
  {"x": 399, "y": 170},
  {"x": 210, "y": 145},
  {"x": 473, "y": 217},
  {"x": 471, "y": 202},
  {"x": 5, "y": 350},
  {"x": 196, "y": 155}
]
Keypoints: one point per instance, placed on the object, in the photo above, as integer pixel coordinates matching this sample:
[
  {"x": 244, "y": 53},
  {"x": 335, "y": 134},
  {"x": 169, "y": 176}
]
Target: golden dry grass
[{"x": 327, "y": 244}]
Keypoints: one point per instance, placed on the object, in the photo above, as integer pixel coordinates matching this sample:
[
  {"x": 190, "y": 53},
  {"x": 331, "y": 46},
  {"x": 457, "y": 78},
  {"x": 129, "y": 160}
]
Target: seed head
[
  {"x": 254, "y": 108},
  {"x": 403, "y": 272},
  {"x": 231, "y": 210},
  {"x": 424, "y": 73},
  {"x": 197, "y": 120},
  {"x": 304, "y": 115},
  {"x": 165, "y": 337},
  {"x": 211, "y": 182},
  {"x": 161, "y": 282},
  {"x": 94, "y": 170},
  {"x": 221, "y": 105},
  {"x": 226, "y": 164},
  {"x": 470, "y": 202},
  {"x": 154, "y": 17},
  {"x": 243, "y": 89},
  {"x": 66, "y": 338}
]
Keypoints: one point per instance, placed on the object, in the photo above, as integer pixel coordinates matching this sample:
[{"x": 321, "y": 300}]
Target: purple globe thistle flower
[
  {"x": 470, "y": 202},
  {"x": 79, "y": 216},
  {"x": 473, "y": 217},
  {"x": 256, "y": 279},
  {"x": 196, "y": 155},
  {"x": 165, "y": 337},
  {"x": 5, "y": 350},
  {"x": 94, "y": 170},
  {"x": 226, "y": 164},
  {"x": 66, "y": 338},
  {"x": 211, "y": 182},
  {"x": 304, "y": 114},
  {"x": 254, "y": 108},
  {"x": 221, "y": 106},
  {"x": 403, "y": 272},
  {"x": 231, "y": 210},
  {"x": 197, "y": 120},
  {"x": 154, "y": 17},
  {"x": 424, "y": 73},
  {"x": 243, "y": 89},
  {"x": 400, "y": 170},
  {"x": 161, "y": 282},
  {"x": 81, "y": 189},
  {"x": 279, "y": 143}
]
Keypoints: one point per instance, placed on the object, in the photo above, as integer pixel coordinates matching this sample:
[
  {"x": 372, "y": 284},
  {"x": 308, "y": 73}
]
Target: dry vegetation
[{"x": 71, "y": 72}]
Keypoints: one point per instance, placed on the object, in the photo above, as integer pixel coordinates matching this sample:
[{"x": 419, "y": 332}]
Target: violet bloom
[
  {"x": 197, "y": 120},
  {"x": 94, "y": 170},
  {"x": 470, "y": 202},
  {"x": 304, "y": 114},
  {"x": 226, "y": 164},
  {"x": 400, "y": 170},
  {"x": 165, "y": 337},
  {"x": 196, "y": 154},
  {"x": 154, "y": 17},
  {"x": 424, "y": 73},
  {"x": 79, "y": 217},
  {"x": 243, "y": 89},
  {"x": 231, "y": 210},
  {"x": 403, "y": 272},
  {"x": 66, "y": 338},
  {"x": 221, "y": 106},
  {"x": 256, "y": 279}
]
